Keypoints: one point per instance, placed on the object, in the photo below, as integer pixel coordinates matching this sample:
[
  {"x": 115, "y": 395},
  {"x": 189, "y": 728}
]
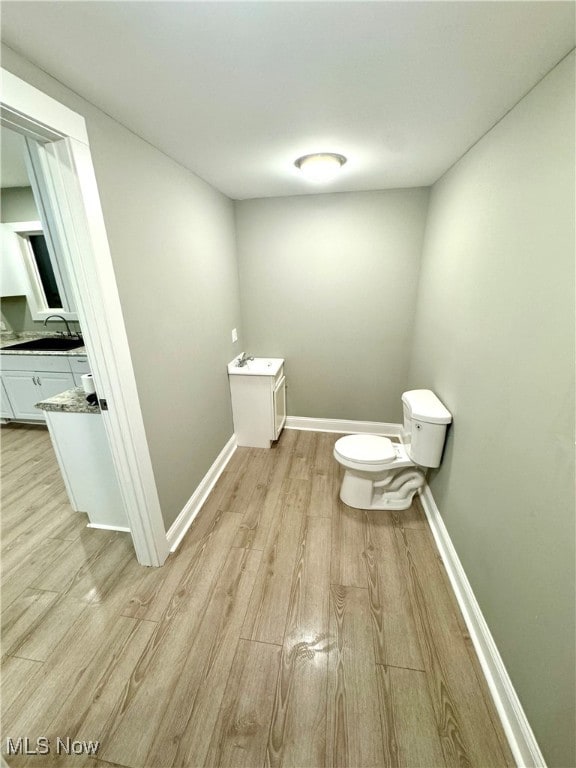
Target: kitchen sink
[{"x": 47, "y": 344}]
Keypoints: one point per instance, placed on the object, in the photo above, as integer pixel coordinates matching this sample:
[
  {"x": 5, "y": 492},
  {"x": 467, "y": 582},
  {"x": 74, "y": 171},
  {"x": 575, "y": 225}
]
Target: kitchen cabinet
[
  {"x": 258, "y": 393},
  {"x": 30, "y": 378},
  {"x": 13, "y": 279},
  {"x": 6, "y": 410},
  {"x": 79, "y": 366}
]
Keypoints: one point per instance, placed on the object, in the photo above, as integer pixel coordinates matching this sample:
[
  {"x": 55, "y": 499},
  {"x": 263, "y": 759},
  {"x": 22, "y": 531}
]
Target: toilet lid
[{"x": 366, "y": 449}]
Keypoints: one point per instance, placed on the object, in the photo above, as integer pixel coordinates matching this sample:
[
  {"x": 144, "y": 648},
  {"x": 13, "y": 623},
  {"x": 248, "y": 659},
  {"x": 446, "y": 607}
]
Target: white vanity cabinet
[
  {"x": 30, "y": 378},
  {"x": 258, "y": 392}
]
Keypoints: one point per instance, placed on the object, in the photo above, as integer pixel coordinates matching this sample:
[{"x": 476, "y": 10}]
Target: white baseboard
[
  {"x": 108, "y": 527},
  {"x": 343, "y": 426},
  {"x": 514, "y": 721},
  {"x": 195, "y": 502}
]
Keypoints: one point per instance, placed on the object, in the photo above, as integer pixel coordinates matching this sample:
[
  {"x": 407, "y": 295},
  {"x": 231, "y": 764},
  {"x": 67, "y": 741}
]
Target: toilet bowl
[{"x": 380, "y": 474}]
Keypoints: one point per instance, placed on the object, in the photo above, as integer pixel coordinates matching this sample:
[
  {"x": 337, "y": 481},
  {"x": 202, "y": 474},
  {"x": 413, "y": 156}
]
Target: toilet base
[{"x": 388, "y": 490}]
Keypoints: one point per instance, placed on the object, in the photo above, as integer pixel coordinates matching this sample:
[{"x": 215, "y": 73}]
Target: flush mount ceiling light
[{"x": 321, "y": 166}]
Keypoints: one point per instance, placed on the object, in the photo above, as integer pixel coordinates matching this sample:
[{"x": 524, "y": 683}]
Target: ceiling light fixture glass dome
[{"x": 321, "y": 166}]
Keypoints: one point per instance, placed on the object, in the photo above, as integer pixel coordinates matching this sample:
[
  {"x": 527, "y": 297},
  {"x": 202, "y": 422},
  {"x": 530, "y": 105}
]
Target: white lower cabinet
[
  {"x": 84, "y": 457},
  {"x": 26, "y": 389},
  {"x": 27, "y": 379},
  {"x": 6, "y": 410}
]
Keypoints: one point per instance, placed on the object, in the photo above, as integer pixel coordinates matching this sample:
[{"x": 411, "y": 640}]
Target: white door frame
[{"x": 71, "y": 186}]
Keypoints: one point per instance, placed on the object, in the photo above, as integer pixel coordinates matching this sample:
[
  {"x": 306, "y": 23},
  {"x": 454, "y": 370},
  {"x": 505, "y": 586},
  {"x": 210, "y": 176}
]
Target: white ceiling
[{"x": 236, "y": 91}]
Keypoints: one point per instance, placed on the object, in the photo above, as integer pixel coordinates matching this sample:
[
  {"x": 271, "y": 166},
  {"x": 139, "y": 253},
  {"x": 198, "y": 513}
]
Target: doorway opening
[{"x": 58, "y": 141}]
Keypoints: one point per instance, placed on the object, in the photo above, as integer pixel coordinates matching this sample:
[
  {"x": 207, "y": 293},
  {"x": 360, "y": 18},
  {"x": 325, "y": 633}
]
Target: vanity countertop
[
  {"x": 71, "y": 401},
  {"x": 6, "y": 339},
  {"x": 256, "y": 366}
]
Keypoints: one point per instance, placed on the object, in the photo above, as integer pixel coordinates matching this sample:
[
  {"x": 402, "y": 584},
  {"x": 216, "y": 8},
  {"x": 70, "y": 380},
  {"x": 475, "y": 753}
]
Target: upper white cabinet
[{"x": 13, "y": 280}]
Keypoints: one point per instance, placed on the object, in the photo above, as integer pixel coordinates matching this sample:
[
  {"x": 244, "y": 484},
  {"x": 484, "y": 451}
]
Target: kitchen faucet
[{"x": 65, "y": 323}]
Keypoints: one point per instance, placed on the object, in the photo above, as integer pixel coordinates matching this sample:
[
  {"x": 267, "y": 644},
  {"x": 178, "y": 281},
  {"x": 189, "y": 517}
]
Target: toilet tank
[{"x": 425, "y": 423}]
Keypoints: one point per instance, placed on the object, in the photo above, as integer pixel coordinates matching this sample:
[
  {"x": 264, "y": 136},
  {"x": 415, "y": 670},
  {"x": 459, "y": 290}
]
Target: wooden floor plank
[
  {"x": 298, "y": 732},
  {"x": 93, "y": 637},
  {"x": 303, "y": 456},
  {"x": 33, "y": 567},
  {"x": 240, "y": 735},
  {"x": 65, "y": 573},
  {"x": 148, "y": 693},
  {"x": 184, "y": 734},
  {"x": 260, "y": 513},
  {"x": 348, "y": 568},
  {"x": 266, "y": 616},
  {"x": 322, "y": 500},
  {"x": 354, "y": 732},
  {"x": 460, "y": 705},
  {"x": 413, "y": 517},
  {"x": 253, "y": 474},
  {"x": 15, "y": 674},
  {"x": 393, "y": 624},
  {"x": 22, "y": 614},
  {"x": 151, "y": 591},
  {"x": 48, "y": 629},
  {"x": 410, "y": 736},
  {"x": 257, "y": 512},
  {"x": 86, "y": 711}
]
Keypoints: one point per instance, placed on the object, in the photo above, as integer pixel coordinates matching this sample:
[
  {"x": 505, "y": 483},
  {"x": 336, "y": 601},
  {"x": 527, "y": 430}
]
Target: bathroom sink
[
  {"x": 259, "y": 366},
  {"x": 47, "y": 344}
]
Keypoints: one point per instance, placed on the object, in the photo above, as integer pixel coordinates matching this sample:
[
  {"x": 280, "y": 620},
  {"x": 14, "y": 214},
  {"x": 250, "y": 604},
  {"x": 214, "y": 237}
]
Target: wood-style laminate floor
[{"x": 287, "y": 630}]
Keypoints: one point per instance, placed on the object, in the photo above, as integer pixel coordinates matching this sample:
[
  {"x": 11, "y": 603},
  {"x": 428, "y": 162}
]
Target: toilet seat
[{"x": 368, "y": 453}]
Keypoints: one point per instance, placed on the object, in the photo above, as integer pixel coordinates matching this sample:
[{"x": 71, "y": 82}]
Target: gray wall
[
  {"x": 494, "y": 338},
  {"x": 329, "y": 282},
  {"x": 173, "y": 247},
  {"x": 17, "y": 204}
]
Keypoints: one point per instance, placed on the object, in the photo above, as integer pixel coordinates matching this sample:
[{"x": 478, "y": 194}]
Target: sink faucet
[
  {"x": 241, "y": 362},
  {"x": 63, "y": 320}
]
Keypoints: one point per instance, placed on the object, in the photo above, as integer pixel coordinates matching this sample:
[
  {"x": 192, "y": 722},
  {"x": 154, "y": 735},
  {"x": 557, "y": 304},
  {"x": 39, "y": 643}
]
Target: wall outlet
[{"x": 234, "y": 335}]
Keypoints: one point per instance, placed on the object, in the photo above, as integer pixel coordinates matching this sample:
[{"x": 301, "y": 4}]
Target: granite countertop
[
  {"x": 71, "y": 401},
  {"x": 7, "y": 338}
]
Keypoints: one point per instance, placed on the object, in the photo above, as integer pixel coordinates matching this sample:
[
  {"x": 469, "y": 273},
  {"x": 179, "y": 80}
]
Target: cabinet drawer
[
  {"x": 79, "y": 365},
  {"x": 55, "y": 363}
]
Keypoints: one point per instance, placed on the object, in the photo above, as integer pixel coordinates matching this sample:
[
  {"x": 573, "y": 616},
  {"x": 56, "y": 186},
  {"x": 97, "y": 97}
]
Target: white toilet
[{"x": 381, "y": 474}]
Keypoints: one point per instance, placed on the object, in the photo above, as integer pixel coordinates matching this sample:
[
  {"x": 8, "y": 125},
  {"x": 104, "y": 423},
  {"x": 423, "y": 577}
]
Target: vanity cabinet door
[{"x": 279, "y": 395}]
